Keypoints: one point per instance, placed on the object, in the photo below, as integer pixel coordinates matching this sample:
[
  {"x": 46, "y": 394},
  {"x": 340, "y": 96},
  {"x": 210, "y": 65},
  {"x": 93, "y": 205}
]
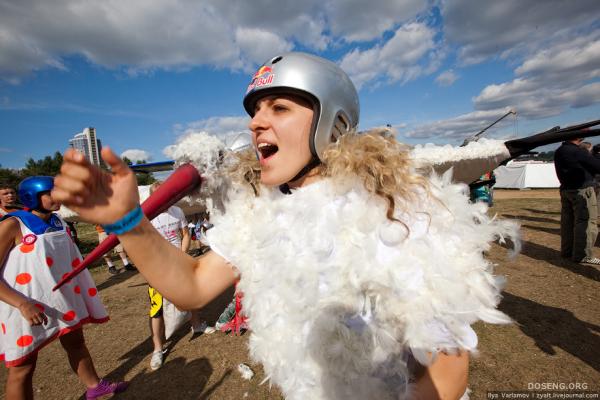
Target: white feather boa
[
  {"x": 210, "y": 155},
  {"x": 337, "y": 296},
  {"x": 468, "y": 162}
]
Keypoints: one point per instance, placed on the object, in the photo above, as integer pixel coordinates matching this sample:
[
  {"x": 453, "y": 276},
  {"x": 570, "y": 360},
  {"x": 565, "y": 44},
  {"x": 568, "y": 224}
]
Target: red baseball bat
[{"x": 181, "y": 182}]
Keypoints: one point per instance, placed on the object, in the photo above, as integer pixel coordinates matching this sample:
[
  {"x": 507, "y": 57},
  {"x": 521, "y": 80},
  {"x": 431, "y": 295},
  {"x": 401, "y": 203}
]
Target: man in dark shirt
[{"x": 575, "y": 168}]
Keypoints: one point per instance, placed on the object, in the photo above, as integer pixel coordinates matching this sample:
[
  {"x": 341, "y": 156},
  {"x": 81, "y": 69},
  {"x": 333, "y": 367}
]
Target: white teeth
[{"x": 261, "y": 145}]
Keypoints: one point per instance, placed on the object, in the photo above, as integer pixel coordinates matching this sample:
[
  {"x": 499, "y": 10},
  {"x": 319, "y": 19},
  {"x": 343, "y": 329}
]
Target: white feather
[
  {"x": 245, "y": 371},
  {"x": 209, "y": 155},
  {"x": 338, "y": 297},
  {"x": 468, "y": 162}
]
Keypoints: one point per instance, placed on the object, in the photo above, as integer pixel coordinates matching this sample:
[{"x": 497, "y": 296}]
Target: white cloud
[
  {"x": 460, "y": 127},
  {"x": 406, "y": 56},
  {"x": 553, "y": 45},
  {"x": 550, "y": 80},
  {"x": 19, "y": 56},
  {"x": 533, "y": 100},
  {"x": 577, "y": 59},
  {"x": 169, "y": 151},
  {"x": 140, "y": 36},
  {"x": 547, "y": 82},
  {"x": 446, "y": 78},
  {"x": 218, "y": 126},
  {"x": 168, "y": 34},
  {"x": 487, "y": 29},
  {"x": 355, "y": 20},
  {"x": 136, "y": 155},
  {"x": 258, "y": 45},
  {"x": 496, "y": 95},
  {"x": 584, "y": 96},
  {"x": 301, "y": 21}
]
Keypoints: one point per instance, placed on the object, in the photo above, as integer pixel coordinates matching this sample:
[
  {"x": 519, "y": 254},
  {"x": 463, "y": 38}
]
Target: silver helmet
[{"x": 320, "y": 81}]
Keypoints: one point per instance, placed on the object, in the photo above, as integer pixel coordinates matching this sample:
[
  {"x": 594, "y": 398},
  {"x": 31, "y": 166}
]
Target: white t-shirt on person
[{"x": 170, "y": 224}]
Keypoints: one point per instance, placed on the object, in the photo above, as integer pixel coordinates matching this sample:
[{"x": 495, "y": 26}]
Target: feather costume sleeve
[{"x": 468, "y": 163}]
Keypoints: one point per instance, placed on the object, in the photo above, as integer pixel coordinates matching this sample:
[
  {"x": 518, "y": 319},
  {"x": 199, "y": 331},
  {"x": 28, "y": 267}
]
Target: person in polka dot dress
[{"x": 36, "y": 251}]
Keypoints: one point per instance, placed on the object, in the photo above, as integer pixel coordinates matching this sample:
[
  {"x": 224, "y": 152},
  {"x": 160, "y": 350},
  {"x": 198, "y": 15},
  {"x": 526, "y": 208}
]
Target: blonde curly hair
[{"x": 375, "y": 157}]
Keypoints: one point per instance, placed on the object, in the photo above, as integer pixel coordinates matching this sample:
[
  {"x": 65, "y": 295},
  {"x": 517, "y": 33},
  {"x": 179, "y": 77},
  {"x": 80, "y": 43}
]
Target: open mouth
[{"x": 266, "y": 150}]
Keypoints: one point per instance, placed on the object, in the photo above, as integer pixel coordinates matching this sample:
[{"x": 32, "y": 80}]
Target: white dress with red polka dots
[{"x": 33, "y": 268}]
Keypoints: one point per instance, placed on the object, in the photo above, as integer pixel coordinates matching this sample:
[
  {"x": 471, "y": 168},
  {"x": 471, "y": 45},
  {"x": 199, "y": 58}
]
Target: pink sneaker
[{"x": 105, "y": 387}]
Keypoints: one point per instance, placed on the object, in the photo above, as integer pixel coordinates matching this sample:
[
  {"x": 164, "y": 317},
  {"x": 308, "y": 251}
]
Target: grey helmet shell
[{"x": 322, "y": 82}]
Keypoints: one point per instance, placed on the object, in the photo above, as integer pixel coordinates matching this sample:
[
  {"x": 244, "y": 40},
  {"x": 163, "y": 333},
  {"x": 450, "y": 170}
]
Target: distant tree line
[
  {"x": 541, "y": 156},
  {"x": 50, "y": 165}
]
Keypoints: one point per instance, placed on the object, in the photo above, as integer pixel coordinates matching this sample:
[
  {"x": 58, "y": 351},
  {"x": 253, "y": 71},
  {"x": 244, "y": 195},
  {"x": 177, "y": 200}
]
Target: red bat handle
[{"x": 181, "y": 182}]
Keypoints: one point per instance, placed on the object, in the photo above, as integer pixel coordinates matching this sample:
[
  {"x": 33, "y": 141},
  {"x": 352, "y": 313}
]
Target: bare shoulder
[
  {"x": 10, "y": 230},
  {"x": 9, "y": 225}
]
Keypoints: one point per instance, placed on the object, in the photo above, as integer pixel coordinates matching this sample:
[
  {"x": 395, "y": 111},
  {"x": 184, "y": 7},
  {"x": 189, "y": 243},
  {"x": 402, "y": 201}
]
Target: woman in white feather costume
[{"x": 361, "y": 276}]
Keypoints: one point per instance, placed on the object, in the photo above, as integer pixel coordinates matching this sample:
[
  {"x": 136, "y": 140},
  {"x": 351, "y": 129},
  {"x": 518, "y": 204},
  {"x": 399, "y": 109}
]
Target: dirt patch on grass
[{"x": 555, "y": 337}]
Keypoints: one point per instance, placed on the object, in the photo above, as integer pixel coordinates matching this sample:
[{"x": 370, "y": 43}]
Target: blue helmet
[{"x": 30, "y": 189}]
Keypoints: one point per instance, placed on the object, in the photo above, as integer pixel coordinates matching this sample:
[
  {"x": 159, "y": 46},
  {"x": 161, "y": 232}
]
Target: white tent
[{"x": 526, "y": 174}]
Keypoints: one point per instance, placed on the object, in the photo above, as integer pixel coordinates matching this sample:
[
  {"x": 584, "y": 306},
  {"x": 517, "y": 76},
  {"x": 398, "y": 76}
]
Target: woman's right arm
[
  {"x": 102, "y": 198},
  {"x": 187, "y": 282},
  {"x": 9, "y": 233}
]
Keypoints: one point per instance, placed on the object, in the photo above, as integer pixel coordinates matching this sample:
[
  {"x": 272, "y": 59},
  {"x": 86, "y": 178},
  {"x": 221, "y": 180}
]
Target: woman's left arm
[{"x": 445, "y": 379}]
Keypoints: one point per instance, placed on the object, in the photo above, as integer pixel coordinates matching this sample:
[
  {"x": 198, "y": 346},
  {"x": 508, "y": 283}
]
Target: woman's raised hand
[{"x": 98, "y": 196}]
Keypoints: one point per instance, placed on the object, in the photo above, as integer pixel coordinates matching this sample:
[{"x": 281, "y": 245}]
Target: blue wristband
[{"x": 125, "y": 224}]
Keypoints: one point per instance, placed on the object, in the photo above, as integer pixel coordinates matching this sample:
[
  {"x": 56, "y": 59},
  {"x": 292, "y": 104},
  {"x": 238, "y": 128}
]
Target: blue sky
[{"x": 144, "y": 73}]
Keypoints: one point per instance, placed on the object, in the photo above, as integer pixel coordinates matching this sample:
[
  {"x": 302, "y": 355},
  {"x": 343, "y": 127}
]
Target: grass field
[{"x": 555, "y": 338}]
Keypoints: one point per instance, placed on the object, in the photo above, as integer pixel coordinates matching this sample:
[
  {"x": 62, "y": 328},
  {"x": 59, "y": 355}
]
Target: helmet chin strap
[{"x": 314, "y": 162}]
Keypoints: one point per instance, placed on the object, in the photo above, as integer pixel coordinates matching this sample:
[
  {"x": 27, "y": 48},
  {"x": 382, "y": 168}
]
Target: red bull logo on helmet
[
  {"x": 264, "y": 76},
  {"x": 264, "y": 70}
]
